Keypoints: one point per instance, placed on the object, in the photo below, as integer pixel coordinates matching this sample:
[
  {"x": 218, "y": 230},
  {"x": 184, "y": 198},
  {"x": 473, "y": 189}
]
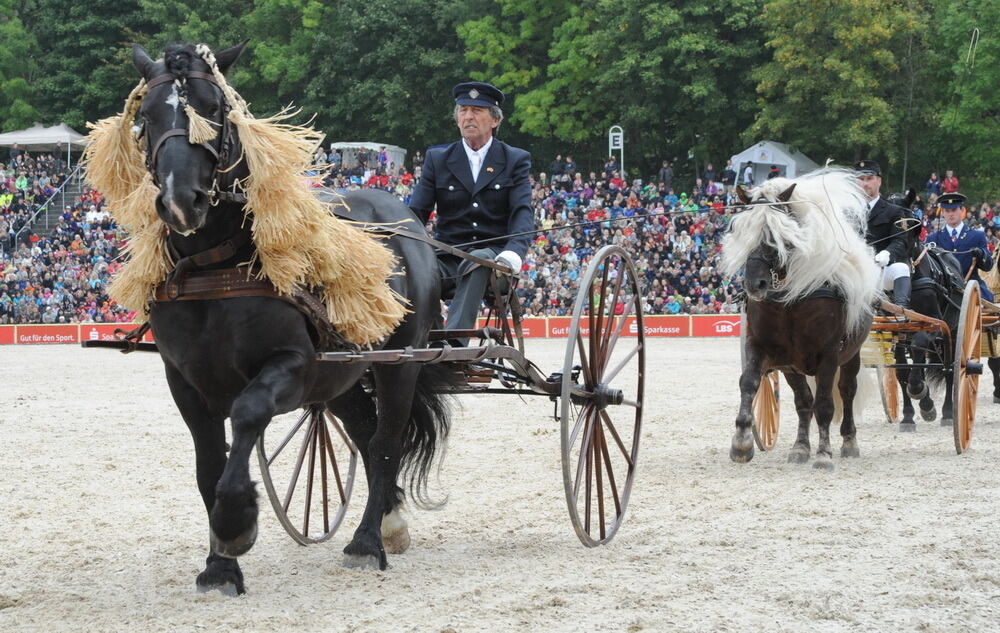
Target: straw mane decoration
[{"x": 299, "y": 242}]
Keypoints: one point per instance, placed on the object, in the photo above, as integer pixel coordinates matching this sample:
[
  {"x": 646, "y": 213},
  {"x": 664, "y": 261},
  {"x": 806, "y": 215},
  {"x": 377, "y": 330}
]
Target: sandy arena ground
[{"x": 102, "y": 528}]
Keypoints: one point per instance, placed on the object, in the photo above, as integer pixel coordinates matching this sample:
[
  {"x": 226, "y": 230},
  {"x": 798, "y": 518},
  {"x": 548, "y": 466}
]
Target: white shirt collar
[
  {"x": 476, "y": 165},
  {"x": 873, "y": 202},
  {"x": 959, "y": 228}
]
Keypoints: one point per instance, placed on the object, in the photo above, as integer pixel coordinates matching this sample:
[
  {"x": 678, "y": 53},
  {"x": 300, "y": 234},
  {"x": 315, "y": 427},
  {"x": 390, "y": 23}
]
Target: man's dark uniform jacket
[
  {"x": 883, "y": 233},
  {"x": 497, "y": 204}
]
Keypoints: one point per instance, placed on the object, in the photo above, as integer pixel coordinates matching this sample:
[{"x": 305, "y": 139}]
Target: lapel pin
[{"x": 489, "y": 170}]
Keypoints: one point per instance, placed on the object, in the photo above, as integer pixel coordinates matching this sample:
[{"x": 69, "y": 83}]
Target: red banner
[
  {"x": 6, "y": 334},
  {"x": 42, "y": 334},
  {"x": 715, "y": 325}
]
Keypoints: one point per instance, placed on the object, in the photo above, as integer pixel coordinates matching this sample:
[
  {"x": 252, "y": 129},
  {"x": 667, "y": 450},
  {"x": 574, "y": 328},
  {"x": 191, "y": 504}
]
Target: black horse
[
  {"x": 811, "y": 330},
  {"x": 250, "y": 358},
  {"x": 937, "y": 293}
]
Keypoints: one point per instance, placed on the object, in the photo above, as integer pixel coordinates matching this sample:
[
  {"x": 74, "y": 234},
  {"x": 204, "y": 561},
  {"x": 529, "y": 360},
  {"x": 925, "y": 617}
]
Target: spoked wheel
[
  {"x": 310, "y": 473},
  {"x": 967, "y": 366},
  {"x": 767, "y": 402},
  {"x": 767, "y": 412},
  {"x": 891, "y": 392},
  {"x": 602, "y": 396}
]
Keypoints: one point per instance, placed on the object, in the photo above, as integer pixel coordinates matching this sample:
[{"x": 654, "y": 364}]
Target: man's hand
[
  {"x": 978, "y": 253},
  {"x": 511, "y": 259},
  {"x": 882, "y": 259}
]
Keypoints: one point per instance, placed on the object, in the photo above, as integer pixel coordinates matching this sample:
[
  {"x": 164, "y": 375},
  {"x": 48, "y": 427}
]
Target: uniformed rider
[
  {"x": 968, "y": 245},
  {"x": 887, "y": 233},
  {"x": 482, "y": 192}
]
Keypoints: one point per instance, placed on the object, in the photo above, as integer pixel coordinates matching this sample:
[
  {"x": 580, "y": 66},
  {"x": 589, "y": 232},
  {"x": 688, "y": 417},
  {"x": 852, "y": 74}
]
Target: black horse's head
[
  {"x": 187, "y": 173},
  {"x": 764, "y": 272}
]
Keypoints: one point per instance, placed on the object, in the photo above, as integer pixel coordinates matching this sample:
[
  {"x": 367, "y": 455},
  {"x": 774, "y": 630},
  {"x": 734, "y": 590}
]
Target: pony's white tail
[{"x": 867, "y": 388}]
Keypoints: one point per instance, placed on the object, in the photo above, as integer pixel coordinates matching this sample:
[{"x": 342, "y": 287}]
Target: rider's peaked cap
[
  {"x": 869, "y": 167},
  {"x": 477, "y": 93},
  {"x": 951, "y": 200}
]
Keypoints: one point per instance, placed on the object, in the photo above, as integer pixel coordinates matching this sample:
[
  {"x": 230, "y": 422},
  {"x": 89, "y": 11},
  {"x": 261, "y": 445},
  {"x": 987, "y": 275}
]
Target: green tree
[
  {"x": 835, "y": 66},
  {"x": 969, "y": 120},
  {"x": 672, "y": 74},
  {"x": 17, "y": 97},
  {"x": 86, "y": 71}
]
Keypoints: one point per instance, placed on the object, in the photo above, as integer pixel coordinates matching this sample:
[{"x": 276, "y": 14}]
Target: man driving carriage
[
  {"x": 889, "y": 233},
  {"x": 482, "y": 192},
  {"x": 968, "y": 245}
]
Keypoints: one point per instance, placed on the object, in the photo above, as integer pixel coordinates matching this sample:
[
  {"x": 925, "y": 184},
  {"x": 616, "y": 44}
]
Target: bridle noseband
[
  {"x": 777, "y": 280},
  {"x": 225, "y": 139}
]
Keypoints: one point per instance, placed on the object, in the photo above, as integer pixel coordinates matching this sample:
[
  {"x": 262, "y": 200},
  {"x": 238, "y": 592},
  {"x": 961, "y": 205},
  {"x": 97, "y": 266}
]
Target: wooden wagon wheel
[
  {"x": 891, "y": 392},
  {"x": 767, "y": 402},
  {"x": 310, "y": 505},
  {"x": 602, "y": 396},
  {"x": 967, "y": 366}
]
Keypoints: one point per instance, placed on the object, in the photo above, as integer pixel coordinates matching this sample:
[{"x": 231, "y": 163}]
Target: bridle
[
  {"x": 225, "y": 140},
  {"x": 777, "y": 275}
]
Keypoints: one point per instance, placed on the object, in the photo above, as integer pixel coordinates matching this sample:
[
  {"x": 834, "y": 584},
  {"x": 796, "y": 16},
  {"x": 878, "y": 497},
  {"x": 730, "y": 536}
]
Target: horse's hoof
[
  {"x": 236, "y": 547},
  {"x": 929, "y": 415},
  {"x": 353, "y": 561},
  {"x": 222, "y": 575},
  {"x": 850, "y": 450},
  {"x": 395, "y": 534},
  {"x": 947, "y": 421},
  {"x": 823, "y": 462},
  {"x": 227, "y": 589},
  {"x": 740, "y": 456},
  {"x": 798, "y": 456},
  {"x": 907, "y": 427}
]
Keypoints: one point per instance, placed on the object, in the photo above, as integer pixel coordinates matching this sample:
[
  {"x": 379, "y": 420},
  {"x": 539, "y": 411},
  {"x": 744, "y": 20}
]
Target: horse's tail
[{"x": 427, "y": 429}]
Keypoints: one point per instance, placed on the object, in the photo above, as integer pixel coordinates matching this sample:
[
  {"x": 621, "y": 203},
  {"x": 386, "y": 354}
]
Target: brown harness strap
[{"x": 229, "y": 283}]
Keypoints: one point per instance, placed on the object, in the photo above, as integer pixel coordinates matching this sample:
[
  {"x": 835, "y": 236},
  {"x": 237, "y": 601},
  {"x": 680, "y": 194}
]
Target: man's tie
[{"x": 954, "y": 234}]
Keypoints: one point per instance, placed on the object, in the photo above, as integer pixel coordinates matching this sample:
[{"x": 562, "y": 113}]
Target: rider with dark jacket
[{"x": 887, "y": 233}]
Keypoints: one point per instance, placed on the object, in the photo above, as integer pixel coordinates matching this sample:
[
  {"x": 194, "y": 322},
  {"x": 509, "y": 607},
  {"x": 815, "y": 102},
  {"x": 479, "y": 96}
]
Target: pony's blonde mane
[
  {"x": 818, "y": 235},
  {"x": 299, "y": 242}
]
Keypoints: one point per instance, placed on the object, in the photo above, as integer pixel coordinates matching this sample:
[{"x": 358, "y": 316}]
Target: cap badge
[{"x": 473, "y": 94}]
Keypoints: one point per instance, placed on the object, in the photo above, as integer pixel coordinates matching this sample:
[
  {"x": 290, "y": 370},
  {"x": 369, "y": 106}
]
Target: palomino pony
[
  {"x": 249, "y": 358},
  {"x": 811, "y": 282}
]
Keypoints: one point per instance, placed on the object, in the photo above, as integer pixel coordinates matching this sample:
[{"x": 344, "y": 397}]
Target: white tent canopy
[
  {"x": 789, "y": 161},
  {"x": 39, "y": 138},
  {"x": 349, "y": 149}
]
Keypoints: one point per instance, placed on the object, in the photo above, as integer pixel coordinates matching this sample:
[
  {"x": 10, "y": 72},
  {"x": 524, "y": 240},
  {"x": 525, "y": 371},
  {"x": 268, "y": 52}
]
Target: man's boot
[{"x": 901, "y": 291}]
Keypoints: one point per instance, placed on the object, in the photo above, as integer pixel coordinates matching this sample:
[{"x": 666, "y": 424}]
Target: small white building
[{"x": 789, "y": 161}]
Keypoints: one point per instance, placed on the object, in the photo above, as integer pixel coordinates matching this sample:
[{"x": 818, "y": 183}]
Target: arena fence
[{"x": 549, "y": 327}]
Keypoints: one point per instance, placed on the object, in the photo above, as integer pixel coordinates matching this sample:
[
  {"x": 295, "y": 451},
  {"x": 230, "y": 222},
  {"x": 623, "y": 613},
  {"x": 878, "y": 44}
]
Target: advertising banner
[
  {"x": 44, "y": 334},
  {"x": 715, "y": 325}
]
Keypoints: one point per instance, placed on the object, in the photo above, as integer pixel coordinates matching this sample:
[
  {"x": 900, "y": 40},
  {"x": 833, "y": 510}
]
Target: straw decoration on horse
[{"x": 299, "y": 242}]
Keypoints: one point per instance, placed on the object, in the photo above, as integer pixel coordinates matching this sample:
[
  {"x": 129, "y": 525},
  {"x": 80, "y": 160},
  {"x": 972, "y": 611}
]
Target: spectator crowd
[{"x": 674, "y": 238}]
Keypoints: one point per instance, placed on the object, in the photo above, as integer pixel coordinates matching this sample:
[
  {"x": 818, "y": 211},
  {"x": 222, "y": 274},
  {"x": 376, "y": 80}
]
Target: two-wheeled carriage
[{"x": 308, "y": 462}]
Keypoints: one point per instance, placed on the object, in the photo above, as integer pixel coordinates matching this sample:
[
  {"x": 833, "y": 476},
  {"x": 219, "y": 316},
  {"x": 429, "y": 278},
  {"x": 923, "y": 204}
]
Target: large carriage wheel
[
  {"x": 310, "y": 473},
  {"x": 767, "y": 402},
  {"x": 966, "y": 377},
  {"x": 891, "y": 392},
  {"x": 602, "y": 396}
]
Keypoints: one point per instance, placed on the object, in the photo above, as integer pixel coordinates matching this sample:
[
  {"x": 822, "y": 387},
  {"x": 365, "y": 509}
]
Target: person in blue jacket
[
  {"x": 481, "y": 189},
  {"x": 968, "y": 245}
]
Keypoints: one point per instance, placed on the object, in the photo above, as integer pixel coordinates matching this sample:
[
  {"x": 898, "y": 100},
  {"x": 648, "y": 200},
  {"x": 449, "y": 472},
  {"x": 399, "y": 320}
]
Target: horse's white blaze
[
  {"x": 168, "y": 200},
  {"x": 174, "y": 100}
]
